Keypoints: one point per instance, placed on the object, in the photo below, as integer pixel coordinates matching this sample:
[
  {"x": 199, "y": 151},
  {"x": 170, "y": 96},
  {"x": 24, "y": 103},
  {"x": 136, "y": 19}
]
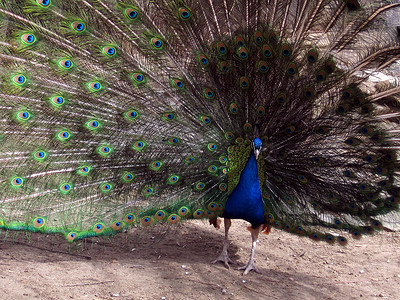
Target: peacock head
[{"x": 256, "y": 145}]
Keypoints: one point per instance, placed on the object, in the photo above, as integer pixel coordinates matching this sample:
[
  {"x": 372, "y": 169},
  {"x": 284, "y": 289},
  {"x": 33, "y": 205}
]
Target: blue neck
[
  {"x": 249, "y": 176},
  {"x": 245, "y": 201}
]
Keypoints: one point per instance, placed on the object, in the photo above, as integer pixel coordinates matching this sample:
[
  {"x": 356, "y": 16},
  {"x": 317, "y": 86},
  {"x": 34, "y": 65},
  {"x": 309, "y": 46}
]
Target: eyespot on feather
[
  {"x": 156, "y": 43},
  {"x": 302, "y": 179},
  {"x": 286, "y": 50},
  {"x": 220, "y": 48},
  {"x": 39, "y": 155},
  {"x": 315, "y": 237},
  {"x": 271, "y": 35},
  {"x": 129, "y": 218},
  {"x": 262, "y": 66},
  {"x": 203, "y": 60},
  {"x": 312, "y": 56},
  {"x": 138, "y": 78},
  {"x": 106, "y": 187},
  {"x": 266, "y": 195},
  {"x": 224, "y": 67},
  {"x": 299, "y": 230},
  {"x": 147, "y": 191},
  {"x": 209, "y": 94},
  {"x": 223, "y": 159},
  {"x": 356, "y": 234},
  {"x": 104, "y": 150},
  {"x": 309, "y": 92},
  {"x": 43, "y": 3},
  {"x": 211, "y": 147},
  {"x": 330, "y": 66},
  {"x": 98, "y": 227},
  {"x": 233, "y": 108},
  {"x": 242, "y": 53},
  {"x": 205, "y": 119},
  {"x": 28, "y": 38},
  {"x": 71, "y": 236},
  {"x": 199, "y": 186},
  {"x": 212, "y": 169},
  {"x": 65, "y": 63},
  {"x": 132, "y": 13},
  {"x": 198, "y": 214},
  {"x": 267, "y": 51},
  {"x": 109, "y": 51},
  {"x": 244, "y": 82},
  {"x": 184, "y": 14},
  {"x": 239, "y": 41},
  {"x": 223, "y": 187},
  {"x": 277, "y": 224},
  {"x": 94, "y": 86},
  {"x": 247, "y": 127},
  {"x": 146, "y": 221},
  {"x": 65, "y": 188},
  {"x": 78, "y": 26},
  {"x": 291, "y": 69},
  {"x": 174, "y": 219},
  {"x": 117, "y": 225},
  {"x": 239, "y": 140},
  {"x": 57, "y": 101},
  {"x": 17, "y": 182},
  {"x": 156, "y": 165},
  {"x": 169, "y": 116},
  {"x": 93, "y": 125},
  {"x": 189, "y": 159},
  {"x": 84, "y": 170},
  {"x": 281, "y": 98},
  {"x": 212, "y": 206},
  {"x": 210, "y": 214},
  {"x": 258, "y": 37},
  {"x": 229, "y": 136},
  {"x": 321, "y": 76},
  {"x": 63, "y": 135},
  {"x": 139, "y": 145},
  {"x": 183, "y": 211},
  {"x": 173, "y": 141},
  {"x": 290, "y": 129},
  {"x": 131, "y": 115},
  {"x": 351, "y": 141},
  {"x": 38, "y": 222},
  {"x": 159, "y": 215},
  {"x": 23, "y": 115},
  {"x": 173, "y": 179},
  {"x": 177, "y": 83},
  {"x": 377, "y": 225},
  {"x": 18, "y": 80}
]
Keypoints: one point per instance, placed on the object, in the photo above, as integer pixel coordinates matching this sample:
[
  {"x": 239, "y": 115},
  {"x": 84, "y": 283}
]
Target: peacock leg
[
  {"x": 251, "y": 265},
  {"x": 223, "y": 257}
]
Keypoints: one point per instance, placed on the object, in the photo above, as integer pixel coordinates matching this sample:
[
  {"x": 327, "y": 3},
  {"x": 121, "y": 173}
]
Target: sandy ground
[{"x": 173, "y": 262}]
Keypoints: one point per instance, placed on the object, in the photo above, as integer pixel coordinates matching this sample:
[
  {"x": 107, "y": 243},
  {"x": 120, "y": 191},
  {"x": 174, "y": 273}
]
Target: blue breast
[{"x": 245, "y": 201}]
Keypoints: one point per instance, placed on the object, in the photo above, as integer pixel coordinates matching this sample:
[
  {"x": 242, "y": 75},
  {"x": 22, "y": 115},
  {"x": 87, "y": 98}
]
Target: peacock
[{"x": 124, "y": 113}]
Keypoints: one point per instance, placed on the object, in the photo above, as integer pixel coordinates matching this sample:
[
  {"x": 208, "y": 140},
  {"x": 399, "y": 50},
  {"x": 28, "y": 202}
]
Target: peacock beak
[{"x": 256, "y": 153}]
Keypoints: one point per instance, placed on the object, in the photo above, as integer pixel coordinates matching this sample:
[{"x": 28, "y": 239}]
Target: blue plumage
[{"x": 245, "y": 201}]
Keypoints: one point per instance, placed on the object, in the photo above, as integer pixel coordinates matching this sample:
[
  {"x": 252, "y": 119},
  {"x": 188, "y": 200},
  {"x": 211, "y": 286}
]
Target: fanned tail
[{"x": 118, "y": 114}]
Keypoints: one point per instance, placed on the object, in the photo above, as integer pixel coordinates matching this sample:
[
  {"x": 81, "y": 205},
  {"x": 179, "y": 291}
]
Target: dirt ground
[{"x": 173, "y": 262}]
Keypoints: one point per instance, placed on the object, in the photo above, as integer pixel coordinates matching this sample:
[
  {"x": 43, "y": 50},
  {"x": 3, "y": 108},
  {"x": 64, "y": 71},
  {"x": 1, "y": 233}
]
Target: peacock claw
[
  {"x": 249, "y": 267},
  {"x": 224, "y": 258}
]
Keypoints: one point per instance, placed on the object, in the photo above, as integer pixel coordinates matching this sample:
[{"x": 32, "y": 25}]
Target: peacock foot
[
  {"x": 224, "y": 258},
  {"x": 250, "y": 266}
]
